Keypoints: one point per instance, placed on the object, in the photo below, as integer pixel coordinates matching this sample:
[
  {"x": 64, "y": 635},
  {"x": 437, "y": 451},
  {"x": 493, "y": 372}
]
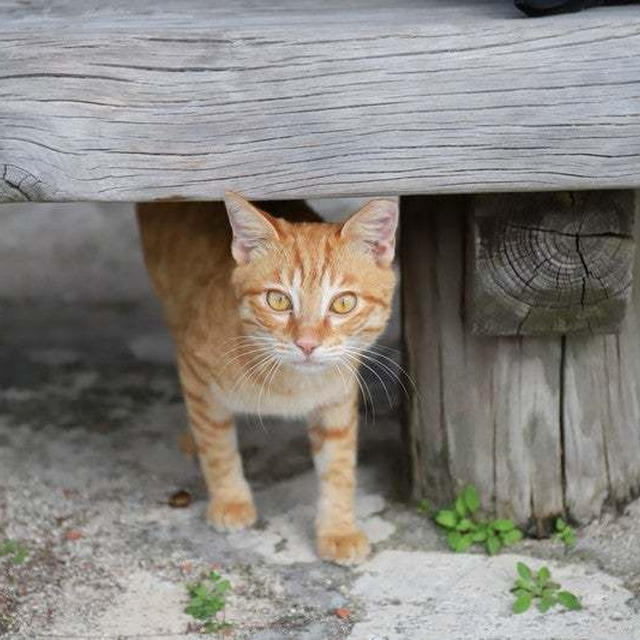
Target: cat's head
[{"x": 313, "y": 294}]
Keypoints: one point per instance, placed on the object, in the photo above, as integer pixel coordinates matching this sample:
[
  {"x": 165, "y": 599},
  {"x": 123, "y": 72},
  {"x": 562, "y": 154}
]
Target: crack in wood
[
  {"x": 15, "y": 185},
  {"x": 21, "y": 185},
  {"x": 557, "y": 232},
  {"x": 561, "y": 421},
  {"x": 532, "y": 274}
]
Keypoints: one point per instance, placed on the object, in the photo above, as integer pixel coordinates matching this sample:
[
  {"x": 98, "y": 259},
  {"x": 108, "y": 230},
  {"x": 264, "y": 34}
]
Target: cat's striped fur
[{"x": 236, "y": 354}]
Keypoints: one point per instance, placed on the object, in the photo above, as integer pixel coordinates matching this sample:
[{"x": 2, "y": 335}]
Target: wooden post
[{"x": 542, "y": 425}]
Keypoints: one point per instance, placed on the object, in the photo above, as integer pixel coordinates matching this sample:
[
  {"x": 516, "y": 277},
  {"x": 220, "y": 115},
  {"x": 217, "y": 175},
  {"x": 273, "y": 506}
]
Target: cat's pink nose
[{"x": 307, "y": 344}]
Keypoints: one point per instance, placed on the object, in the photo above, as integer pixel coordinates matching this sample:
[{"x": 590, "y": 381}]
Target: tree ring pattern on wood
[
  {"x": 549, "y": 263},
  {"x": 19, "y": 185}
]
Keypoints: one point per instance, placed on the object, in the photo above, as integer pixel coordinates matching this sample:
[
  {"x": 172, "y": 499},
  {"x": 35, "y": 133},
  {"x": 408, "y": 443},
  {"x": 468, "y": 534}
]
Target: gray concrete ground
[{"x": 90, "y": 417}]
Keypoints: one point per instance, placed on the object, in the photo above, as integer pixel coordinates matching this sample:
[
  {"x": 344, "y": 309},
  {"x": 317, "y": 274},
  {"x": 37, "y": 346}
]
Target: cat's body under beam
[{"x": 272, "y": 316}]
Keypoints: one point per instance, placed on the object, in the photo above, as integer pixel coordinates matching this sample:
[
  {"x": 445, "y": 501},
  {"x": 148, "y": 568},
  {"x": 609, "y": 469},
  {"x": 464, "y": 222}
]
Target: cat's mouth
[{"x": 309, "y": 365}]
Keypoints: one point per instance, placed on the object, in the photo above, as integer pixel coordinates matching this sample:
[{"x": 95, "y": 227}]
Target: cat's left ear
[
  {"x": 374, "y": 228},
  {"x": 253, "y": 230}
]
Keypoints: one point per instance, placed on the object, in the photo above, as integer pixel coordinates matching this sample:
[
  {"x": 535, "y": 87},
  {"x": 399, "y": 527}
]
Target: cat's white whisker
[
  {"x": 255, "y": 369},
  {"x": 244, "y": 348},
  {"x": 263, "y": 371},
  {"x": 372, "y": 350},
  {"x": 384, "y": 347},
  {"x": 250, "y": 356},
  {"x": 356, "y": 363},
  {"x": 364, "y": 390},
  {"x": 244, "y": 354},
  {"x": 336, "y": 367},
  {"x": 248, "y": 339},
  {"x": 266, "y": 382},
  {"x": 392, "y": 373},
  {"x": 244, "y": 345},
  {"x": 377, "y": 375},
  {"x": 386, "y": 369},
  {"x": 375, "y": 349}
]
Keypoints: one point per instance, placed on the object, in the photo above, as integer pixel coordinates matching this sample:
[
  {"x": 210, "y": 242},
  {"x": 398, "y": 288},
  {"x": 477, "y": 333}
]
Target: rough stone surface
[{"x": 442, "y": 595}]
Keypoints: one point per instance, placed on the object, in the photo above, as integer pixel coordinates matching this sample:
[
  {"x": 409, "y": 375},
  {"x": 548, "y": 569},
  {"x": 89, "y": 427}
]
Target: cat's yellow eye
[
  {"x": 278, "y": 301},
  {"x": 344, "y": 303}
]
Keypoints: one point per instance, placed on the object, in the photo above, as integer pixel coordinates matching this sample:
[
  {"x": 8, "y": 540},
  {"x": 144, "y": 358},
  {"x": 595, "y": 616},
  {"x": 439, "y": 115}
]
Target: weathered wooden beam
[
  {"x": 550, "y": 263},
  {"x": 542, "y": 425},
  {"x": 299, "y": 98}
]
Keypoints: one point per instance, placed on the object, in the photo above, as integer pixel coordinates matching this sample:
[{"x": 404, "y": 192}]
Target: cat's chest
[{"x": 287, "y": 396}]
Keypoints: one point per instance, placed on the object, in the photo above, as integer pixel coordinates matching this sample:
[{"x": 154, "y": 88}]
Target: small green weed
[
  {"x": 207, "y": 599},
  {"x": 466, "y": 525},
  {"x": 565, "y": 533},
  {"x": 424, "y": 507},
  {"x": 531, "y": 586},
  {"x": 12, "y": 548}
]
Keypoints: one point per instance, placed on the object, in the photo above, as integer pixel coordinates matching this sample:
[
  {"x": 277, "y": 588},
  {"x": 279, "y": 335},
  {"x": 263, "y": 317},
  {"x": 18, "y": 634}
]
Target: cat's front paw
[
  {"x": 231, "y": 516},
  {"x": 343, "y": 547}
]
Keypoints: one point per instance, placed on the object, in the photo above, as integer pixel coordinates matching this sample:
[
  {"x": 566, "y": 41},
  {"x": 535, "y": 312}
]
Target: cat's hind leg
[
  {"x": 333, "y": 432},
  {"x": 231, "y": 505}
]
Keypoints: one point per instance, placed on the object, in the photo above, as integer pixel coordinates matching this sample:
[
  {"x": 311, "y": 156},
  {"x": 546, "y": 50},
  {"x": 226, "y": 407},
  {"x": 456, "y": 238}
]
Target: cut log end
[{"x": 550, "y": 263}]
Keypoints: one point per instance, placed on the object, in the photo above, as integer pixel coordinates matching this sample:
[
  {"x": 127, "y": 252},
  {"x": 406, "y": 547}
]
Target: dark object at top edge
[{"x": 539, "y": 8}]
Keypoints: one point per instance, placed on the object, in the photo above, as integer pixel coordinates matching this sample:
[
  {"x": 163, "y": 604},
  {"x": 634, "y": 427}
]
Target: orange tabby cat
[{"x": 269, "y": 316}]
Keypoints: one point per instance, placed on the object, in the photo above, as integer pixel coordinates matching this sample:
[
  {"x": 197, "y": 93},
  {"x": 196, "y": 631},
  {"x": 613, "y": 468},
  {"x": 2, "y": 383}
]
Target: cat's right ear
[{"x": 253, "y": 230}]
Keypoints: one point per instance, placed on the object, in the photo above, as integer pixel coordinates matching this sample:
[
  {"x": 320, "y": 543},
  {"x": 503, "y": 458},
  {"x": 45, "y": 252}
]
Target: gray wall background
[{"x": 85, "y": 252}]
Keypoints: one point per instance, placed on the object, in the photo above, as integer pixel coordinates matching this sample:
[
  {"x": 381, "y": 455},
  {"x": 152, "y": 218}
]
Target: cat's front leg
[
  {"x": 231, "y": 505},
  {"x": 333, "y": 432}
]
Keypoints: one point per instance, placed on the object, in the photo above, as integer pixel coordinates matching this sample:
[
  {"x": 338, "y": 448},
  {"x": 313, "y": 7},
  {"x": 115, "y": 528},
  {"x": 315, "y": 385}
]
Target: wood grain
[
  {"x": 601, "y": 415},
  {"x": 428, "y": 441},
  {"x": 488, "y": 411},
  {"x": 526, "y": 418},
  {"x": 140, "y": 100},
  {"x": 550, "y": 263},
  {"x": 543, "y": 426}
]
